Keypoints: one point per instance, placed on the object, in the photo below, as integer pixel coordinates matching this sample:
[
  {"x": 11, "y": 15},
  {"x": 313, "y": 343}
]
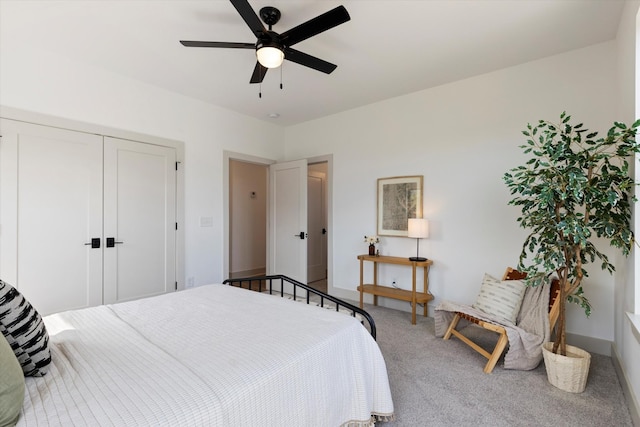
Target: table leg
[
  {"x": 375, "y": 281},
  {"x": 426, "y": 288},
  {"x": 413, "y": 295},
  {"x": 361, "y": 284}
]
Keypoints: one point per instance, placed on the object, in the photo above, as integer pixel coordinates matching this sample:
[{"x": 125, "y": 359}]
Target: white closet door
[
  {"x": 50, "y": 207},
  {"x": 140, "y": 215}
]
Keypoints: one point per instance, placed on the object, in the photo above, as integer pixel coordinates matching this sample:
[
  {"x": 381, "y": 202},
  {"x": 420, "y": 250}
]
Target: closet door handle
[
  {"x": 95, "y": 243},
  {"x": 111, "y": 242}
]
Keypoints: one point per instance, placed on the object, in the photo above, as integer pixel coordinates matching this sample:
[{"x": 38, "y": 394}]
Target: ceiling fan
[{"x": 272, "y": 48}]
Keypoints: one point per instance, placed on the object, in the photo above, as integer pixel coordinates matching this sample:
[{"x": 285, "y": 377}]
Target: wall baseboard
[
  {"x": 590, "y": 344},
  {"x": 632, "y": 401}
]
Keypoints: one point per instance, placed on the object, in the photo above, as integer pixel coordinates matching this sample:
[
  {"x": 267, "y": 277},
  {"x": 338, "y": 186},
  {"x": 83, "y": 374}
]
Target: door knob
[
  {"x": 302, "y": 235},
  {"x": 111, "y": 242},
  {"x": 95, "y": 243}
]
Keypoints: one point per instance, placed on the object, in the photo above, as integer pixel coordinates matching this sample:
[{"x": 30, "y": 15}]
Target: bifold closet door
[
  {"x": 50, "y": 210},
  {"x": 139, "y": 220}
]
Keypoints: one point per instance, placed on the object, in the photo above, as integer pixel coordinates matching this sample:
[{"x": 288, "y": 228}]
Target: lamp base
[{"x": 417, "y": 258}]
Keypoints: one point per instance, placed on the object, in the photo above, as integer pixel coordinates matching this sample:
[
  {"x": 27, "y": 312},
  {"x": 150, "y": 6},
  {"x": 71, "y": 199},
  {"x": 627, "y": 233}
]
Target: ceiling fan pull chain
[{"x": 281, "y": 77}]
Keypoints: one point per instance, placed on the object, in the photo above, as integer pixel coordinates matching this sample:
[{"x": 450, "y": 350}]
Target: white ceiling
[{"x": 388, "y": 48}]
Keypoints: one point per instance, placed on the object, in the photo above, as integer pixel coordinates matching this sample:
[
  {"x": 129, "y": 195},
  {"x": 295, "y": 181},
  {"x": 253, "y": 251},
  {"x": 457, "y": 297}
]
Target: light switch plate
[{"x": 206, "y": 221}]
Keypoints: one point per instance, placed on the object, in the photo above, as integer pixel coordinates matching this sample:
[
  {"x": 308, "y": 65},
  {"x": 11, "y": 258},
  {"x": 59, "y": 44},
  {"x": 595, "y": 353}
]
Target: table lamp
[{"x": 418, "y": 229}]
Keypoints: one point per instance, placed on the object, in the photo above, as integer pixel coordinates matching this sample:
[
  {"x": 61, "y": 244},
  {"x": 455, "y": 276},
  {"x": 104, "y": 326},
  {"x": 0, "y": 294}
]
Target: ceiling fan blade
[
  {"x": 314, "y": 26},
  {"x": 190, "y": 43},
  {"x": 249, "y": 15},
  {"x": 258, "y": 73},
  {"x": 308, "y": 60}
]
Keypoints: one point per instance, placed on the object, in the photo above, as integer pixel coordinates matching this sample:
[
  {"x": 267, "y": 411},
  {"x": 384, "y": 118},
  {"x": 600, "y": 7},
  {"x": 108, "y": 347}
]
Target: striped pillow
[
  {"x": 500, "y": 298},
  {"x": 24, "y": 329}
]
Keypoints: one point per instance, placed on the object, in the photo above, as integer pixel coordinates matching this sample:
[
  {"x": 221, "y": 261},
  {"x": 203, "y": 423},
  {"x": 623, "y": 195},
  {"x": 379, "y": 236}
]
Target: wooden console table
[{"x": 413, "y": 296}]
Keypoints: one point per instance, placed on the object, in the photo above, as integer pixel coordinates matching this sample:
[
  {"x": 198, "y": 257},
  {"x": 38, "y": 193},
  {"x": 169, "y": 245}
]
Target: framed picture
[{"x": 399, "y": 198}]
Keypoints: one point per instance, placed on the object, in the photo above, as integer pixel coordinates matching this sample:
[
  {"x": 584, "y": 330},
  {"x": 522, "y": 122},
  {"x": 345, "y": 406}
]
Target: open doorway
[
  {"x": 248, "y": 198},
  {"x": 247, "y": 220}
]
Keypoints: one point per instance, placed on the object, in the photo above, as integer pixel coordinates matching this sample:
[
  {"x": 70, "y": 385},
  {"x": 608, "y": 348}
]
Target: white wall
[
  {"x": 627, "y": 344},
  {"x": 41, "y": 82},
  {"x": 462, "y": 137}
]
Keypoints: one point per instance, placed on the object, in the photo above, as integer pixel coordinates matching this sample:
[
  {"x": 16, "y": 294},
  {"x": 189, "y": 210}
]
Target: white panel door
[
  {"x": 140, "y": 217},
  {"x": 288, "y": 219},
  {"x": 50, "y": 209}
]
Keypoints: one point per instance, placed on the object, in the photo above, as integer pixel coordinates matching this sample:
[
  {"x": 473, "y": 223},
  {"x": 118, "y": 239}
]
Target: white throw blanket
[{"x": 525, "y": 338}]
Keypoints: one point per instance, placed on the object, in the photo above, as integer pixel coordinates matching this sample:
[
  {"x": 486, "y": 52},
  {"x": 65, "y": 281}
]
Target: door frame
[
  {"x": 328, "y": 158},
  {"x": 227, "y": 157},
  {"x": 231, "y": 155}
]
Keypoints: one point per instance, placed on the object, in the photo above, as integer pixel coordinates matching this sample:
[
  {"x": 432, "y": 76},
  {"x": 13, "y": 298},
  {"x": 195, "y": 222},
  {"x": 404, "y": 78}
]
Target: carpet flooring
[{"x": 441, "y": 383}]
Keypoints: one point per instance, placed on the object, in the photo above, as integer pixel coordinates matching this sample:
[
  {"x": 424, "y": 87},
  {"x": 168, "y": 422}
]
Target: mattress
[{"x": 213, "y": 355}]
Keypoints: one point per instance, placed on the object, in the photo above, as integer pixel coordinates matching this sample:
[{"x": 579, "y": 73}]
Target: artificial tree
[{"x": 574, "y": 192}]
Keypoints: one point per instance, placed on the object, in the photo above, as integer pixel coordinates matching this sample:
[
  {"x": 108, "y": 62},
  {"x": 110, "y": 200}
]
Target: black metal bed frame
[{"x": 265, "y": 284}]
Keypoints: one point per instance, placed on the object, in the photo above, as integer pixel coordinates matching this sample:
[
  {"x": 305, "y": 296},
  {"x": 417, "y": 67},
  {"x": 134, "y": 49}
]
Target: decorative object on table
[
  {"x": 399, "y": 198},
  {"x": 372, "y": 240},
  {"x": 574, "y": 189},
  {"x": 418, "y": 229}
]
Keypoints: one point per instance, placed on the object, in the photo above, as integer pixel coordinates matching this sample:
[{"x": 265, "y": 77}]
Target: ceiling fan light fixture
[
  {"x": 270, "y": 56},
  {"x": 270, "y": 46}
]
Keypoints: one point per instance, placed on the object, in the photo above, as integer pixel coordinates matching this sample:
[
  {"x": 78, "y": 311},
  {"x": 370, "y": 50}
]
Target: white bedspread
[{"x": 209, "y": 356}]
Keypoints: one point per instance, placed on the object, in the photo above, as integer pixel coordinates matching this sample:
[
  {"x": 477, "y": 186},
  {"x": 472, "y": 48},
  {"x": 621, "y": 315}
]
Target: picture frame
[{"x": 399, "y": 198}]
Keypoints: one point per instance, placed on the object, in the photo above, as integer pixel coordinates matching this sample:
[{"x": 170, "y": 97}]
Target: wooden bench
[{"x": 510, "y": 274}]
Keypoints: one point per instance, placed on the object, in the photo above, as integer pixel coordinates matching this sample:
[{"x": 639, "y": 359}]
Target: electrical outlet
[{"x": 190, "y": 281}]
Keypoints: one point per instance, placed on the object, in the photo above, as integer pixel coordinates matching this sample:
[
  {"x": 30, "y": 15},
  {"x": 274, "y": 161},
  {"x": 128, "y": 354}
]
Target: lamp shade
[
  {"x": 270, "y": 56},
  {"x": 418, "y": 228}
]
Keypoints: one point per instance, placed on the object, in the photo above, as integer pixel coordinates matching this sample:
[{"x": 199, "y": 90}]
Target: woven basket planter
[{"x": 568, "y": 373}]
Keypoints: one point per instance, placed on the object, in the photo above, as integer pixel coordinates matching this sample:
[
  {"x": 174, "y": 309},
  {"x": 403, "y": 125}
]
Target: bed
[{"x": 214, "y": 355}]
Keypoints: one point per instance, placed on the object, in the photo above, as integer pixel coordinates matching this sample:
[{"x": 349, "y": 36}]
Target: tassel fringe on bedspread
[{"x": 371, "y": 421}]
